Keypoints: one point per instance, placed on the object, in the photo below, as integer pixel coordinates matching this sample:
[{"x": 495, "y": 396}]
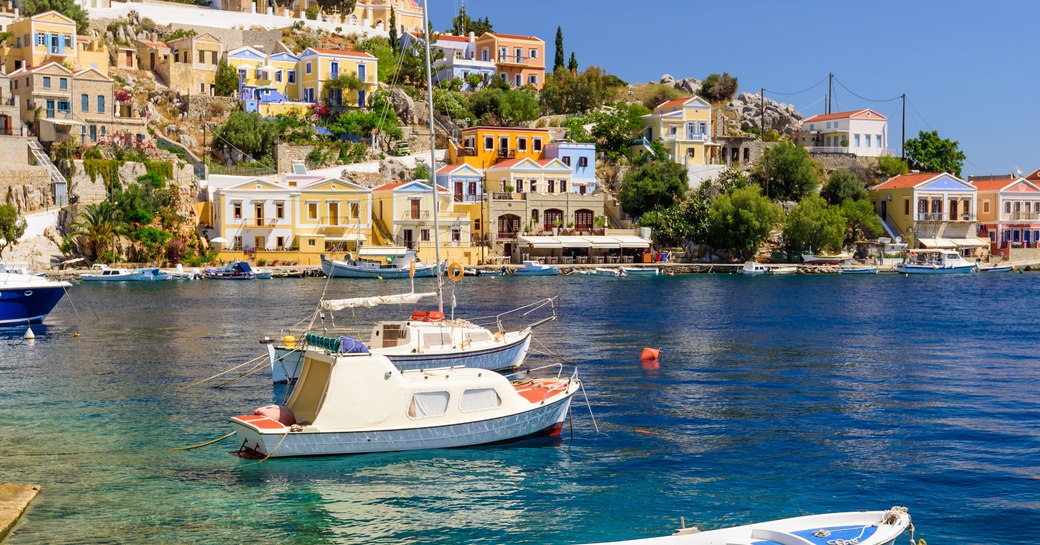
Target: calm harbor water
[{"x": 775, "y": 397}]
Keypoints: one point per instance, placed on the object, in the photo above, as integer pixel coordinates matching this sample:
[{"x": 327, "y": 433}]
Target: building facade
[
  {"x": 191, "y": 66},
  {"x": 683, "y": 127},
  {"x": 859, "y": 132},
  {"x": 51, "y": 37},
  {"x": 519, "y": 60},
  {"x": 581, "y": 158},
  {"x": 932, "y": 210},
  {"x": 403, "y": 217},
  {"x": 454, "y": 57},
  {"x": 1009, "y": 214},
  {"x": 317, "y": 66},
  {"x": 482, "y": 147}
]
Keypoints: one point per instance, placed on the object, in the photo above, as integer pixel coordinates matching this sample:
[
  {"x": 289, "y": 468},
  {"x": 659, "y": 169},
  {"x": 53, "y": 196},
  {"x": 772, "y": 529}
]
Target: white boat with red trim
[
  {"x": 852, "y": 528},
  {"x": 350, "y": 403}
]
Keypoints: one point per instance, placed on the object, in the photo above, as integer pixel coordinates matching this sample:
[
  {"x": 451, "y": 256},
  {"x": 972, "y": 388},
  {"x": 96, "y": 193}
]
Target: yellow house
[
  {"x": 403, "y": 217},
  {"x": 191, "y": 67},
  {"x": 51, "y": 37},
  {"x": 482, "y": 147},
  {"x": 258, "y": 72},
  {"x": 930, "y": 210},
  {"x": 292, "y": 219},
  {"x": 317, "y": 66},
  {"x": 683, "y": 126}
]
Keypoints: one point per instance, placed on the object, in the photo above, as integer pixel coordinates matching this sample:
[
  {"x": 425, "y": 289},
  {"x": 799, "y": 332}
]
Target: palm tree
[{"x": 99, "y": 224}]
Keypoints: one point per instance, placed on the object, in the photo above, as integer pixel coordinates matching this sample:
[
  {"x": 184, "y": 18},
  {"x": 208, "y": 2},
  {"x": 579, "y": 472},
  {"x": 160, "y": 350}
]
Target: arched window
[
  {"x": 583, "y": 219},
  {"x": 552, "y": 217},
  {"x": 508, "y": 225}
]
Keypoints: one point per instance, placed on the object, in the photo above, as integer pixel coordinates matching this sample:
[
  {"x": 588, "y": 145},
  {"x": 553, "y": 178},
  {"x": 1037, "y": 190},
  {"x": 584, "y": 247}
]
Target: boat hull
[
  {"x": 634, "y": 271},
  {"x": 864, "y": 270},
  {"x": 927, "y": 269},
  {"x": 21, "y": 305},
  {"x": 1003, "y": 269},
  {"x": 286, "y": 362},
  {"x": 546, "y": 272},
  {"x": 341, "y": 270},
  {"x": 810, "y": 259},
  {"x": 545, "y": 420},
  {"x": 136, "y": 277}
]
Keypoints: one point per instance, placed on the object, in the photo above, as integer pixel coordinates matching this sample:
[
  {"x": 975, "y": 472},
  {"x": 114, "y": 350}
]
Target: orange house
[
  {"x": 519, "y": 60},
  {"x": 482, "y": 147}
]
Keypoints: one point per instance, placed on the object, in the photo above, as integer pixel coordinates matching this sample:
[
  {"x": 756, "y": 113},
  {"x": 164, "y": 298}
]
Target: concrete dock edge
[{"x": 14, "y": 500}]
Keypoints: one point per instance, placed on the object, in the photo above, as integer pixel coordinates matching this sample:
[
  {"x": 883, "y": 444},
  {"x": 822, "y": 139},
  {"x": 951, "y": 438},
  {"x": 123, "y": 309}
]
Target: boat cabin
[{"x": 423, "y": 336}]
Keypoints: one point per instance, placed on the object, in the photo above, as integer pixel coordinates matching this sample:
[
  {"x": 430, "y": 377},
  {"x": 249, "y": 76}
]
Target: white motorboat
[
  {"x": 605, "y": 271},
  {"x": 935, "y": 262},
  {"x": 534, "y": 268},
  {"x": 783, "y": 269},
  {"x": 425, "y": 341},
  {"x": 27, "y": 298},
  {"x": 858, "y": 270},
  {"x": 996, "y": 267},
  {"x": 641, "y": 271},
  {"x": 852, "y": 528},
  {"x": 810, "y": 258},
  {"x": 102, "y": 273},
  {"x": 348, "y": 401},
  {"x": 753, "y": 268},
  {"x": 372, "y": 263}
]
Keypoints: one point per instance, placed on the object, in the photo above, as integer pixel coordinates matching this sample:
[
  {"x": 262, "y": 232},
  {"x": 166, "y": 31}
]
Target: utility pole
[
  {"x": 762, "y": 114},
  {"x": 902, "y": 140},
  {"x": 830, "y": 90}
]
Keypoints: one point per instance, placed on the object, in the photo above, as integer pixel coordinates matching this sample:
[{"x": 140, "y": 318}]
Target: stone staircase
[{"x": 44, "y": 160}]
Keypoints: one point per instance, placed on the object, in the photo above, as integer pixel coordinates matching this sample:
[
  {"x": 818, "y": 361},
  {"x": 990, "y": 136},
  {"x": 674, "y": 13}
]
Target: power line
[
  {"x": 807, "y": 89},
  {"x": 853, "y": 93},
  {"x": 919, "y": 116}
]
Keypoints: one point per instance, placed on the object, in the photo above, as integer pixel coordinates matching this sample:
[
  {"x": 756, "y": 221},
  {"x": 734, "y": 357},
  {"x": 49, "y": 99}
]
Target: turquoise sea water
[{"x": 775, "y": 397}]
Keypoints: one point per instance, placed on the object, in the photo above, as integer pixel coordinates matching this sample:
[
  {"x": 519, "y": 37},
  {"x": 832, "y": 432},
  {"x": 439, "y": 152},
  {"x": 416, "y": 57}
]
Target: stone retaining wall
[
  {"x": 92, "y": 191},
  {"x": 22, "y": 183},
  {"x": 285, "y": 154}
]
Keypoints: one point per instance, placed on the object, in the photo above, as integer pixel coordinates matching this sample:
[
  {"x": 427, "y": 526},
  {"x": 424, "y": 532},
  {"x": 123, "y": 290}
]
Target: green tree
[
  {"x": 12, "y": 226},
  {"x": 394, "y": 45},
  {"x": 249, "y": 133},
  {"x": 888, "y": 167},
  {"x": 930, "y": 153},
  {"x": 452, "y": 104},
  {"x": 739, "y": 221},
  {"x": 842, "y": 185},
  {"x": 565, "y": 92},
  {"x": 153, "y": 241},
  {"x": 572, "y": 64},
  {"x": 342, "y": 7},
  {"x": 658, "y": 184},
  {"x": 862, "y": 221},
  {"x": 462, "y": 24},
  {"x": 786, "y": 172},
  {"x": 717, "y": 88},
  {"x": 814, "y": 225},
  {"x": 559, "y": 59},
  {"x": 518, "y": 106},
  {"x": 613, "y": 130},
  {"x": 99, "y": 225},
  {"x": 474, "y": 81},
  {"x": 68, "y": 8},
  {"x": 656, "y": 93},
  {"x": 386, "y": 66},
  {"x": 225, "y": 82},
  {"x": 380, "y": 122},
  {"x": 684, "y": 221},
  {"x": 421, "y": 172}
]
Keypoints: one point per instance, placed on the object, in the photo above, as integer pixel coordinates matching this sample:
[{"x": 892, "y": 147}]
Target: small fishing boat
[
  {"x": 753, "y": 268},
  {"x": 483, "y": 272},
  {"x": 858, "y": 270},
  {"x": 236, "y": 270},
  {"x": 996, "y": 267},
  {"x": 641, "y": 271},
  {"x": 935, "y": 262},
  {"x": 349, "y": 401},
  {"x": 263, "y": 274},
  {"x": 534, "y": 268},
  {"x": 180, "y": 273},
  {"x": 26, "y": 298},
  {"x": 810, "y": 258},
  {"x": 102, "y": 273},
  {"x": 385, "y": 263},
  {"x": 604, "y": 271},
  {"x": 858, "y": 528},
  {"x": 782, "y": 269}
]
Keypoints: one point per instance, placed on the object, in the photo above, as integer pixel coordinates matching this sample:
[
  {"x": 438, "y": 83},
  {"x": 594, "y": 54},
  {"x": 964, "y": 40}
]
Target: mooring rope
[
  {"x": 589, "y": 405},
  {"x": 250, "y": 371},
  {"x": 207, "y": 379},
  {"x": 207, "y": 443}
]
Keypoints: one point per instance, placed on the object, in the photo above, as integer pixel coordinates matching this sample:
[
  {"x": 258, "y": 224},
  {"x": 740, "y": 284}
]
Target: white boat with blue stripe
[
  {"x": 349, "y": 402},
  {"x": 935, "y": 262}
]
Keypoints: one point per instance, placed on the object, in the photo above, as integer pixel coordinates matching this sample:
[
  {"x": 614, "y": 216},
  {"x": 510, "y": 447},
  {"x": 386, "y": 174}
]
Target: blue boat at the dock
[
  {"x": 27, "y": 298},
  {"x": 534, "y": 268},
  {"x": 102, "y": 273},
  {"x": 236, "y": 270}
]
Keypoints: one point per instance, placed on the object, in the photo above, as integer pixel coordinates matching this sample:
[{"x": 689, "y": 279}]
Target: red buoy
[{"x": 650, "y": 354}]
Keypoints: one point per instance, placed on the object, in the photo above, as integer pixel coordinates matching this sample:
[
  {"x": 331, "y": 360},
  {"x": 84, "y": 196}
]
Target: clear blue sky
[{"x": 966, "y": 67}]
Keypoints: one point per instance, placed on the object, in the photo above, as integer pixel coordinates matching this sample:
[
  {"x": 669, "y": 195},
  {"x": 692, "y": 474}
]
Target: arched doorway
[
  {"x": 552, "y": 216},
  {"x": 583, "y": 219},
  {"x": 508, "y": 225}
]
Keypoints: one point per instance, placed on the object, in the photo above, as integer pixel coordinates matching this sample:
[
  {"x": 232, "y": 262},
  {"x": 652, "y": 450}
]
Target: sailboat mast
[{"x": 433, "y": 156}]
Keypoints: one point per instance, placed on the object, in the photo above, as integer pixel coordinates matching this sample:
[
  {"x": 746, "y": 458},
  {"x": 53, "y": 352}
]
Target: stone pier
[{"x": 14, "y": 500}]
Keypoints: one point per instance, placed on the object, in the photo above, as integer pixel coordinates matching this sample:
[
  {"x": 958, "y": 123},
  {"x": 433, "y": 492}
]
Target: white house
[{"x": 859, "y": 132}]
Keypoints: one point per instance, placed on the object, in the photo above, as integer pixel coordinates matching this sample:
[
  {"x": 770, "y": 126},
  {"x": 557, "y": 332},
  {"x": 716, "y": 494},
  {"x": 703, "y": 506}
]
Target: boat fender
[
  {"x": 455, "y": 272},
  {"x": 281, "y": 413},
  {"x": 289, "y": 340}
]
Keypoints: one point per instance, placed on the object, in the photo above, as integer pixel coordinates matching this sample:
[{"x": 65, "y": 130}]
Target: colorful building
[
  {"x": 51, "y": 37},
  {"x": 10, "y": 110},
  {"x": 191, "y": 67},
  {"x": 294, "y": 218},
  {"x": 519, "y": 60},
  {"x": 1009, "y": 214},
  {"x": 581, "y": 158},
  {"x": 932, "y": 210},
  {"x": 403, "y": 216},
  {"x": 858, "y": 132},
  {"x": 683, "y": 127},
  {"x": 482, "y": 147},
  {"x": 454, "y": 57},
  {"x": 267, "y": 83},
  {"x": 317, "y": 66}
]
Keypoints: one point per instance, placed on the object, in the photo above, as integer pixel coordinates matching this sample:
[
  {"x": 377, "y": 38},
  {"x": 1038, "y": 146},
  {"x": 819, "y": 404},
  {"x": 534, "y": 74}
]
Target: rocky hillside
[{"x": 747, "y": 108}]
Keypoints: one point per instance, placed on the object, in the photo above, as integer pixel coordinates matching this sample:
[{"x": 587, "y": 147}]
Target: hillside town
[{"x": 131, "y": 139}]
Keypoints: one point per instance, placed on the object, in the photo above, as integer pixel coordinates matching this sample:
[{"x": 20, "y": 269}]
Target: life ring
[{"x": 455, "y": 272}]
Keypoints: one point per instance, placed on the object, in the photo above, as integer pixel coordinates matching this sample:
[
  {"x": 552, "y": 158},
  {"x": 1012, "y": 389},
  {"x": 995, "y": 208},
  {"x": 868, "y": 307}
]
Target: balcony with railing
[
  {"x": 339, "y": 221},
  {"x": 1021, "y": 215},
  {"x": 940, "y": 216}
]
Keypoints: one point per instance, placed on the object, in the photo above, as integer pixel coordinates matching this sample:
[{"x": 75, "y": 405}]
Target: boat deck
[
  {"x": 834, "y": 534},
  {"x": 537, "y": 390}
]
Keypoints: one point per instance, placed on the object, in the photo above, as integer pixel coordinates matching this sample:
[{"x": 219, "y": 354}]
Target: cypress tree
[
  {"x": 573, "y": 64},
  {"x": 560, "y": 60},
  {"x": 393, "y": 31}
]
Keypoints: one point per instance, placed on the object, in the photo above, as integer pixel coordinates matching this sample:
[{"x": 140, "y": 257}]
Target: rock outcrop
[
  {"x": 392, "y": 169},
  {"x": 404, "y": 106},
  {"x": 783, "y": 118}
]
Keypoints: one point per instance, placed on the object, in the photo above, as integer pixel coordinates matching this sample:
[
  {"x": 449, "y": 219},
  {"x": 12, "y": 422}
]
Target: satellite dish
[{"x": 1018, "y": 172}]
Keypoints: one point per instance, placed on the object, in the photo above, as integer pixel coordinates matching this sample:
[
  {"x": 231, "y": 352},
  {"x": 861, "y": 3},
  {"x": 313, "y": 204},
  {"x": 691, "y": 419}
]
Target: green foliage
[
  {"x": 741, "y": 220},
  {"x": 462, "y": 25},
  {"x": 888, "y": 167},
  {"x": 684, "y": 221},
  {"x": 655, "y": 185},
  {"x": 786, "y": 172},
  {"x": 572, "y": 64},
  {"x": 814, "y": 225},
  {"x": 380, "y": 48},
  {"x": 163, "y": 170},
  {"x": 451, "y": 103},
  {"x": 413, "y": 62},
  {"x": 180, "y": 33},
  {"x": 4, "y": 36},
  {"x": 316, "y": 156},
  {"x": 565, "y": 92},
  {"x": 12, "y": 226},
  {"x": 718, "y": 88},
  {"x": 862, "y": 221},
  {"x": 453, "y": 84},
  {"x": 108, "y": 169},
  {"x": 393, "y": 31},
  {"x": 930, "y": 153},
  {"x": 225, "y": 82},
  {"x": 576, "y": 129},
  {"x": 518, "y": 106},
  {"x": 610, "y": 80},
  {"x": 68, "y": 8},
  {"x": 474, "y": 81},
  {"x": 485, "y": 101},
  {"x": 99, "y": 225},
  {"x": 843, "y": 185},
  {"x": 657, "y": 93},
  {"x": 559, "y": 58},
  {"x": 613, "y": 130},
  {"x": 153, "y": 241},
  {"x": 249, "y": 133},
  {"x": 380, "y": 120},
  {"x": 421, "y": 172}
]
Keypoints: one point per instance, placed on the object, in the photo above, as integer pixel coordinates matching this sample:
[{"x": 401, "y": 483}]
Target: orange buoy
[{"x": 650, "y": 354}]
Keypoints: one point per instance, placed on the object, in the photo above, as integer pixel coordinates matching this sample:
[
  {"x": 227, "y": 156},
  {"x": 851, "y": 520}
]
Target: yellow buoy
[{"x": 289, "y": 340}]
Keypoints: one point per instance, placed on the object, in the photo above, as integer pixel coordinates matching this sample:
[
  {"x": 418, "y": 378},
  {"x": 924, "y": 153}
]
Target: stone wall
[
  {"x": 198, "y": 106},
  {"x": 22, "y": 183},
  {"x": 92, "y": 191},
  {"x": 285, "y": 154},
  {"x": 233, "y": 38}
]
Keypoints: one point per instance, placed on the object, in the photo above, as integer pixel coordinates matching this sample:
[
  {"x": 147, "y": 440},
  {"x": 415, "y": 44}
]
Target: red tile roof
[
  {"x": 343, "y": 53},
  {"x": 906, "y": 180},
  {"x": 673, "y": 102},
  {"x": 448, "y": 169},
  {"x": 513, "y": 36},
  {"x": 153, "y": 44},
  {"x": 991, "y": 185},
  {"x": 395, "y": 185},
  {"x": 846, "y": 115},
  {"x": 508, "y": 163}
]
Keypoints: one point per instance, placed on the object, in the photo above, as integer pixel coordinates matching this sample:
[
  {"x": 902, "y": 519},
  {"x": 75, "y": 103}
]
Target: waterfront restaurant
[{"x": 616, "y": 246}]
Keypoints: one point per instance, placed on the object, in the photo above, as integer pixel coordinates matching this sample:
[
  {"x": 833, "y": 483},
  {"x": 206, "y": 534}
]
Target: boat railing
[
  {"x": 527, "y": 310},
  {"x": 526, "y": 373}
]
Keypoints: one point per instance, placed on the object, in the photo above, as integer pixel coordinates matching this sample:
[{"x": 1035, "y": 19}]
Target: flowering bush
[{"x": 123, "y": 95}]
